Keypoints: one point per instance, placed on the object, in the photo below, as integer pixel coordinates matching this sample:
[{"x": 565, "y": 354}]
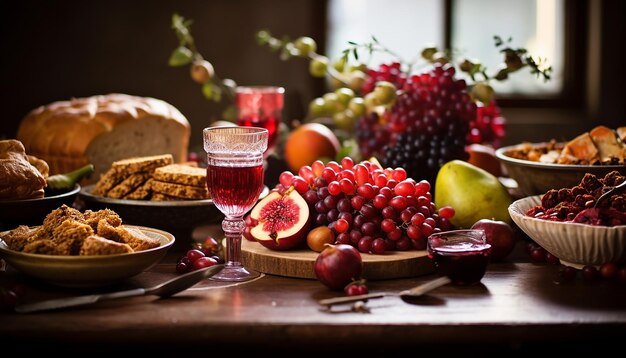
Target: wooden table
[{"x": 519, "y": 307}]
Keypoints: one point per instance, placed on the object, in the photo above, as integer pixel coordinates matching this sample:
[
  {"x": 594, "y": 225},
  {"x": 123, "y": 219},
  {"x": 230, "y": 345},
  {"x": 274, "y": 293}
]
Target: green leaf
[
  {"x": 498, "y": 40},
  {"x": 356, "y": 54},
  {"x": 352, "y": 43},
  {"x": 374, "y": 39},
  {"x": 180, "y": 57}
]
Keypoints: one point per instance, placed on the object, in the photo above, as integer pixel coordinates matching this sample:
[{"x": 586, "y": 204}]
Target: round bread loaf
[{"x": 103, "y": 129}]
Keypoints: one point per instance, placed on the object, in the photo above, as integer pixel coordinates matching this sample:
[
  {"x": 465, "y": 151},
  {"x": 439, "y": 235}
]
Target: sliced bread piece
[
  {"x": 142, "y": 164},
  {"x": 179, "y": 190},
  {"x": 181, "y": 174},
  {"x": 129, "y": 184},
  {"x": 142, "y": 192},
  {"x": 164, "y": 197}
]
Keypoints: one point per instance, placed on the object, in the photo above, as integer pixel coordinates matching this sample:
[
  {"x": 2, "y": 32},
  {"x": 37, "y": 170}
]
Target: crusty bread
[
  {"x": 103, "y": 129},
  {"x": 181, "y": 174}
]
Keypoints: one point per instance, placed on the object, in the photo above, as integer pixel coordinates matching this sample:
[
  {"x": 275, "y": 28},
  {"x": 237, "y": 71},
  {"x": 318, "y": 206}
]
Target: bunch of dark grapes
[
  {"x": 371, "y": 208},
  {"x": 488, "y": 126},
  {"x": 422, "y": 154},
  {"x": 426, "y": 127}
]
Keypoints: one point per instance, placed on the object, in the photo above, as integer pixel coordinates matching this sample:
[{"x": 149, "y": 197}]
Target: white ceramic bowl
[
  {"x": 534, "y": 178},
  {"x": 574, "y": 244},
  {"x": 89, "y": 271}
]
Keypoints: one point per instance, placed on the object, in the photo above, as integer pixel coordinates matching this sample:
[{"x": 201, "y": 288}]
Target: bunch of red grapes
[
  {"x": 488, "y": 127},
  {"x": 431, "y": 122},
  {"x": 371, "y": 208}
]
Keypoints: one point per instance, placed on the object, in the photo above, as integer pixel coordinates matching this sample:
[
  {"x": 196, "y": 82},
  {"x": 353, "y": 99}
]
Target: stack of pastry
[{"x": 152, "y": 178}]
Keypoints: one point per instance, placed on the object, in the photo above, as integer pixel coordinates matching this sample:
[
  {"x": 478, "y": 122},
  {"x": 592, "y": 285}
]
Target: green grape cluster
[
  {"x": 349, "y": 101},
  {"x": 346, "y": 103}
]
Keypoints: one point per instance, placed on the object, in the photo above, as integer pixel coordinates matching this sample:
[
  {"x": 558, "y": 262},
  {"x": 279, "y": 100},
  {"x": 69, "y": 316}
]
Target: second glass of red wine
[
  {"x": 260, "y": 106},
  {"x": 234, "y": 180}
]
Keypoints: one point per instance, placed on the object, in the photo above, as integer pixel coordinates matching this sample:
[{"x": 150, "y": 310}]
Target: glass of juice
[
  {"x": 462, "y": 255},
  {"x": 234, "y": 180},
  {"x": 260, "y": 106}
]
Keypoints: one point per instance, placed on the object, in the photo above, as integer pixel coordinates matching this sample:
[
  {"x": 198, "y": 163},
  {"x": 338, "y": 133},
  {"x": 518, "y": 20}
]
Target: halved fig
[{"x": 282, "y": 220}]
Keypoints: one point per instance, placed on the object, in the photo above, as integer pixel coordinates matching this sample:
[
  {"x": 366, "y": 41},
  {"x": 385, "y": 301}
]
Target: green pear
[{"x": 474, "y": 194}]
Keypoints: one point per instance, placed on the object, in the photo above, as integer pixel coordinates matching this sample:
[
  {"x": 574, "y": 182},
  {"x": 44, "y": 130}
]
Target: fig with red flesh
[{"x": 282, "y": 220}]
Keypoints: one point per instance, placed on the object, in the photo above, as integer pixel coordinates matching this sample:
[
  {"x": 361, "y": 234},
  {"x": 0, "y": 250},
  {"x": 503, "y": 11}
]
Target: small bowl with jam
[{"x": 461, "y": 255}]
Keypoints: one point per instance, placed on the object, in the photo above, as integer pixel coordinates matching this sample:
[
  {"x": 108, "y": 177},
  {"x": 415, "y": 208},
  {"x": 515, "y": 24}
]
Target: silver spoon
[
  {"x": 165, "y": 289},
  {"x": 609, "y": 192},
  {"x": 413, "y": 292}
]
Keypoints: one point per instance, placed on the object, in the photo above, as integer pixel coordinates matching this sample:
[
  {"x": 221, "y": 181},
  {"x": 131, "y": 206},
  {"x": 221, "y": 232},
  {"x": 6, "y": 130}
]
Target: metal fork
[{"x": 608, "y": 193}]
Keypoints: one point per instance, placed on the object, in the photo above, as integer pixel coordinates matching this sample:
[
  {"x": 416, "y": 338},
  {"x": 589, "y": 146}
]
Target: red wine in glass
[
  {"x": 234, "y": 181},
  {"x": 269, "y": 122},
  {"x": 260, "y": 106},
  {"x": 234, "y": 190}
]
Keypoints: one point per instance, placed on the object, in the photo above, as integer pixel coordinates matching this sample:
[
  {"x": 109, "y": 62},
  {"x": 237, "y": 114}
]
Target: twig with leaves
[{"x": 202, "y": 71}]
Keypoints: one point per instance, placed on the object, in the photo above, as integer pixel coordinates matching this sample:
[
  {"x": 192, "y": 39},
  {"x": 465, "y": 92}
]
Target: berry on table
[{"x": 356, "y": 288}]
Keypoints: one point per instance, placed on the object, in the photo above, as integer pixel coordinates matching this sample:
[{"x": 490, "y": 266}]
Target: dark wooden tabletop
[{"x": 518, "y": 306}]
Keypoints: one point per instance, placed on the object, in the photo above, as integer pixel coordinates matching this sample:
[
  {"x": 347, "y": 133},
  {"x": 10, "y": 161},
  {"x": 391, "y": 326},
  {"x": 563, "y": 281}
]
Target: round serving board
[{"x": 299, "y": 263}]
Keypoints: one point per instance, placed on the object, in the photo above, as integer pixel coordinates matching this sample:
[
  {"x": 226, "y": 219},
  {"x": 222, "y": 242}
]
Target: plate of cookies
[
  {"x": 154, "y": 191},
  {"x": 83, "y": 249}
]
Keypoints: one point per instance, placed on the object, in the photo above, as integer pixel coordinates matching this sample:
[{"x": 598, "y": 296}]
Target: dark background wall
[{"x": 56, "y": 50}]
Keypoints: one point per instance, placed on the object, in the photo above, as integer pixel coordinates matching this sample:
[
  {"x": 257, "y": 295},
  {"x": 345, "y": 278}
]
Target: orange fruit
[{"x": 308, "y": 143}]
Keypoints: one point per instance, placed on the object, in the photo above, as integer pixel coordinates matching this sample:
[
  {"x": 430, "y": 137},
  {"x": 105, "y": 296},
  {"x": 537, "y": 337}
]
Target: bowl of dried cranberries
[{"x": 568, "y": 223}]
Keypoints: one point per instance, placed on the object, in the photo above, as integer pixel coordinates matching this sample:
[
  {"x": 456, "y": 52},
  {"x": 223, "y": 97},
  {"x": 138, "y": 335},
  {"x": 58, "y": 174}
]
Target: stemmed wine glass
[
  {"x": 261, "y": 106},
  {"x": 234, "y": 180}
]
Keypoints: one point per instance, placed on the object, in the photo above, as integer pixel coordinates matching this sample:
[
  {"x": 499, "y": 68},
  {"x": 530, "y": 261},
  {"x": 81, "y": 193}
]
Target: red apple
[
  {"x": 499, "y": 234},
  {"x": 280, "y": 220},
  {"x": 338, "y": 265}
]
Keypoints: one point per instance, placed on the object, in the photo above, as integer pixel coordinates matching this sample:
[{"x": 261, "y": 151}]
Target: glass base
[{"x": 235, "y": 274}]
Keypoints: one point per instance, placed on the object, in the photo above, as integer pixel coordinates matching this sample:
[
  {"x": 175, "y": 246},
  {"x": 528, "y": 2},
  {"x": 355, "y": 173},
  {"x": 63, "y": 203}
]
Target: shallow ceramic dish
[
  {"x": 32, "y": 211},
  {"x": 177, "y": 217},
  {"x": 534, "y": 178},
  {"x": 89, "y": 271},
  {"x": 574, "y": 244}
]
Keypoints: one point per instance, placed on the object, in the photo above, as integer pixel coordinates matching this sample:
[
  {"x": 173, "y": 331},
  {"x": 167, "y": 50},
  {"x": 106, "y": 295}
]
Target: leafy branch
[{"x": 213, "y": 87}]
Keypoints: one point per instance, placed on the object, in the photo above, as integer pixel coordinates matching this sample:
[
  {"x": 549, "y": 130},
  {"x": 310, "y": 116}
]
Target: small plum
[
  {"x": 499, "y": 235},
  {"x": 338, "y": 265}
]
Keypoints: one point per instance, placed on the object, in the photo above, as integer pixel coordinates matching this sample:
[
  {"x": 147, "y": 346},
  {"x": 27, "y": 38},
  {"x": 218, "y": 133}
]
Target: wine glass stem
[{"x": 233, "y": 227}]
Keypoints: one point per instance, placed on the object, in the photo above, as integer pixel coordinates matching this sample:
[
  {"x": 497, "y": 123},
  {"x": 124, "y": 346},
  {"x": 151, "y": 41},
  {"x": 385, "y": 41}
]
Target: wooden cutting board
[{"x": 299, "y": 263}]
